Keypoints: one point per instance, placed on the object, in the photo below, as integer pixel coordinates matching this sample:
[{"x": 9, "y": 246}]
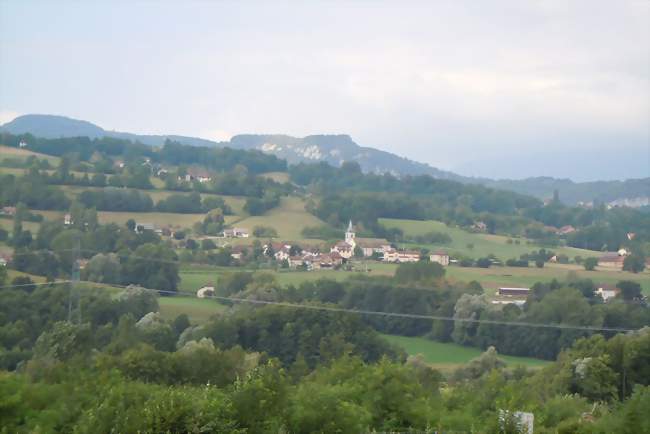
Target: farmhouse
[
  {"x": 611, "y": 260},
  {"x": 440, "y": 257},
  {"x": 237, "y": 252},
  {"x": 514, "y": 292},
  {"x": 5, "y": 258},
  {"x": 67, "y": 219},
  {"x": 479, "y": 226},
  {"x": 607, "y": 291},
  {"x": 141, "y": 227}
]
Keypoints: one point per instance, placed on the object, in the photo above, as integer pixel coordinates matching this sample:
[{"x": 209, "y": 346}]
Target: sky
[{"x": 500, "y": 88}]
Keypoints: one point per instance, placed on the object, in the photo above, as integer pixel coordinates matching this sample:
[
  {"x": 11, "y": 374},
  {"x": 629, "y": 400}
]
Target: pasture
[
  {"x": 447, "y": 356},
  {"x": 22, "y": 153},
  {"x": 494, "y": 277},
  {"x": 475, "y": 245},
  {"x": 288, "y": 219},
  {"x": 199, "y": 310}
]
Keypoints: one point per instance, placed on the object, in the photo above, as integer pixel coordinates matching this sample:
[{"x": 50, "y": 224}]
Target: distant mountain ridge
[{"x": 335, "y": 149}]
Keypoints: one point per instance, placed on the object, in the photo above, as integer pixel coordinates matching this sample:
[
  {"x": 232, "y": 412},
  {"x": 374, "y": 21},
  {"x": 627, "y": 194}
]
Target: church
[{"x": 367, "y": 246}]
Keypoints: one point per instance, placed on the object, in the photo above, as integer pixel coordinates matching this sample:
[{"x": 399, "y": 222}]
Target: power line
[
  {"x": 393, "y": 314},
  {"x": 57, "y": 282}
]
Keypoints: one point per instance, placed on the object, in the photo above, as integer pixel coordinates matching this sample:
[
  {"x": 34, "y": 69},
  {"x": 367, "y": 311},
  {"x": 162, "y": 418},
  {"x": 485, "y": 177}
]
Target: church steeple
[{"x": 350, "y": 235}]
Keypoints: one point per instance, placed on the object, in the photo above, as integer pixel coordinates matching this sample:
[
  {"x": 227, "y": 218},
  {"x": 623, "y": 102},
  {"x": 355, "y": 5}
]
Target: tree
[
  {"x": 629, "y": 290},
  {"x": 590, "y": 263},
  {"x": 483, "y": 262},
  {"x": 23, "y": 283},
  {"x": 104, "y": 269},
  {"x": 153, "y": 266},
  {"x": 634, "y": 263},
  {"x": 130, "y": 224},
  {"x": 539, "y": 263}
]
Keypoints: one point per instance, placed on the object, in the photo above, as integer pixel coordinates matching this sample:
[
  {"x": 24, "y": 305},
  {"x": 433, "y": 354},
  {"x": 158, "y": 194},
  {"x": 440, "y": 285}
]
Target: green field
[
  {"x": 280, "y": 177},
  {"x": 11, "y": 152},
  {"x": 483, "y": 244},
  {"x": 494, "y": 277},
  {"x": 449, "y": 355},
  {"x": 198, "y": 309},
  {"x": 288, "y": 219}
]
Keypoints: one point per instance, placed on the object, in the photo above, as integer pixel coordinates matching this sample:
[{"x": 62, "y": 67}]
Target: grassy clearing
[
  {"x": 11, "y": 152},
  {"x": 8, "y": 224},
  {"x": 449, "y": 355},
  {"x": 280, "y": 177},
  {"x": 483, "y": 244},
  {"x": 199, "y": 310},
  {"x": 12, "y": 274},
  {"x": 494, "y": 277},
  {"x": 288, "y": 219}
]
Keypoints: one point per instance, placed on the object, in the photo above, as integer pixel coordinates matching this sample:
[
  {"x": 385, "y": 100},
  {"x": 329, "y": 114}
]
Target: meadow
[
  {"x": 21, "y": 153},
  {"x": 199, "y": 310},
  {"x": 475, "y": 245},
  {"x": 288, "y": 219},
  {"x": 447, "y": 356}
]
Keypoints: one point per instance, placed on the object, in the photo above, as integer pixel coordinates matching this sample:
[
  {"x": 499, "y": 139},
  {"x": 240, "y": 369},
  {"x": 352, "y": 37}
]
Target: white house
[
  {"x": 607, "y": 291},
  {"x": 205, "y": 292},
  {"x": 440, "y": 257},
  {"x": 401, "y": 256}
]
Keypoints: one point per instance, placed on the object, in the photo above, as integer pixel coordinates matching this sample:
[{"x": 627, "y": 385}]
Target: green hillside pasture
[
  {"x": 11, "y": 152},
  {"x": 495, "y": 277},
  {"x": 199, "y": 310},
  {"x": 235, "y": 202},
  {"x": 483, "y": 244},
  {"x": 288, "y": 219},
  {"x": 447, "y": 356}
]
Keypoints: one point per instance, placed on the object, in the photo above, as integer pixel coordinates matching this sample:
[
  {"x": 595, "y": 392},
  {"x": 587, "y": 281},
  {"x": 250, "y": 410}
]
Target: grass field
[
  {"x": 448, "y": 355},
  {"x": 288, "y": 219},
  {"x": 494, "y": 277},
  {"x": 199, "y": 310},
  {"x": 483, "y": 244},
  {"x": 10, "y": 152}
]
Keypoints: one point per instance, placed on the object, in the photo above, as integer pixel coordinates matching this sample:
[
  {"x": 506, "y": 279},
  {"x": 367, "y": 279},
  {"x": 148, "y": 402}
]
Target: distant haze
[{"x": 505, "y": 89}]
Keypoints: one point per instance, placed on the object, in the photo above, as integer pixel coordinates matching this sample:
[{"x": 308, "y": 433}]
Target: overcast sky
[{"x": 504, "y": 89}]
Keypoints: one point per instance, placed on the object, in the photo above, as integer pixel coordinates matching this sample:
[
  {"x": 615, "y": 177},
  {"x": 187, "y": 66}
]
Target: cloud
[{"x": 8, "y": 116}]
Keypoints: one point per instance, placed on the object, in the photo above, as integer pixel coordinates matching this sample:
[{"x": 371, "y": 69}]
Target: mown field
[
  {"x": 288, "y": 219},
  {"x": 157, "y": 218},
  {"x": 199, "y": 310},
  {"x": 446, "y": 356},
  {"x": 481, "y": 244}
]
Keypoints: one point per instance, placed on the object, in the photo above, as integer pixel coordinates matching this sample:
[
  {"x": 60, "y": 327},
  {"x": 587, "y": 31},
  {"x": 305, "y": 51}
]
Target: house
[
  {"x": 344, "y": 249},
  {"x": 370, "y": 246},
  {"x": 439, "y": 257},
  {"x": 5, "y": 258},
  {"x": 479, "y": 226},
  {"x": 119, "y": 164},
  {"x": 235, "y": 233},
  {"x": 514, "y": 292},
  {"x": 8, "y": 210},
  {"x": 205, "y": 292},
  {"x": 516, "y": 302},
  {"x": 237, "y": 252},
  {"x": 611, "y": 260},
  {"x": 141, "y": 227},
  {"x": 401, "y": 256},
  {"x": 566, "y": 230},
  {"x": 296, "y": 261},
  {"x": 631, "y": 235},
  {"x": 623, "y": 252},
  {"x": 327, "y": 261},
  {"x": 22, "y": 144},
  {"x": 81, "y": 263},
  {"x": 196, "y": 174},
  {"x": 607, "y": 291},
  {"x": 283, "y": 253},
  {"x": 67, "y": 219}
]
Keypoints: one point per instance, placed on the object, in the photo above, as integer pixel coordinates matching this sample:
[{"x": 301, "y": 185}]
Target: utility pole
[{"x": 74, "y": 278}]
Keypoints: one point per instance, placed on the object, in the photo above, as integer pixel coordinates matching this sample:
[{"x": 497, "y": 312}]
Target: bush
[
  {"x": 483, "y": 263},
  {"x": 590, "y": 263},
  {"x": 264, "y": 232}
]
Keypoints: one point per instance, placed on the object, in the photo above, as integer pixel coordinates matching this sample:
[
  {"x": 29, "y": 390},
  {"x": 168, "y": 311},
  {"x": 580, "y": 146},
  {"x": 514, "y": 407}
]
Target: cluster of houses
[{"x": 315, "y": 258}]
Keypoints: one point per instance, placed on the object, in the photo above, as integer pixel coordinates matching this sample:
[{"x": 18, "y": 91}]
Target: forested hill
[{"x": 336, "y": 149}]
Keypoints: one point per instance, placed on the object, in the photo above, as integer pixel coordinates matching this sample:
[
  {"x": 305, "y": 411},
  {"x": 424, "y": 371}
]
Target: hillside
[{"x": 335, "y": 149}]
